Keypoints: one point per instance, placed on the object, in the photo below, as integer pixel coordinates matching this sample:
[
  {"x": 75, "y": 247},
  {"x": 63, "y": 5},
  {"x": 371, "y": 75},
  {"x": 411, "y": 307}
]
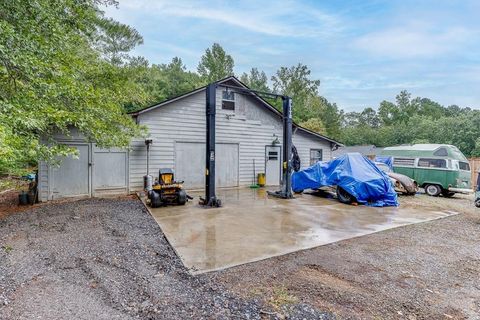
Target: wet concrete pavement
[{"x": 252, "y": 226}]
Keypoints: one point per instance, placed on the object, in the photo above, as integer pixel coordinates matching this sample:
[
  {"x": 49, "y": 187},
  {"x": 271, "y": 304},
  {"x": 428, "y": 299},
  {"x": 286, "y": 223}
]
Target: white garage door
[
  {"x": 72, "y": 177},
  {"x": 109, "y": 171},
  {"x": 92, "y": 173},
  {"x": 190, "y": 164}
]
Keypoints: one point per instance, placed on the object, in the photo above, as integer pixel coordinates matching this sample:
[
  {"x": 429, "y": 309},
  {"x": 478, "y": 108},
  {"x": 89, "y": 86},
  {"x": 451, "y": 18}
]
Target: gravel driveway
[
  {"x": 108, "y": 259},
  {"x": 423, "y": 271}
]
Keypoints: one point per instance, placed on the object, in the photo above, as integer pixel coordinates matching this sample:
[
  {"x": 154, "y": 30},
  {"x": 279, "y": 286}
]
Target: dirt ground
[
  {"x": 423, "y": 271},
  {"x": 108, "y": 259}
]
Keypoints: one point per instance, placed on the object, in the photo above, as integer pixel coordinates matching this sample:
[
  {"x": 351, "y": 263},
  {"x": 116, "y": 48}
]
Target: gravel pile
[{"x": 108, "y": 259}]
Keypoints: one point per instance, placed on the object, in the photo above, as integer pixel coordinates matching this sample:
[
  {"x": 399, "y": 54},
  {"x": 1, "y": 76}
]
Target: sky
[{"x": 362, "y": 51}]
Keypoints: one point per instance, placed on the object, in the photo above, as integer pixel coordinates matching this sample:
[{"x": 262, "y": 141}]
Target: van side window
[
  {"x": 464, "y": 166},
  {"x": 441, "y": 152},
  {"x": 432, "y": 163},
  {"x": 403, "y": 162}
]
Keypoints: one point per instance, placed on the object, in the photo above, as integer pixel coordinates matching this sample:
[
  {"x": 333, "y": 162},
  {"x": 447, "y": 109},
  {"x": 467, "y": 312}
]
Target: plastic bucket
[{"x": 261, "y": 179}]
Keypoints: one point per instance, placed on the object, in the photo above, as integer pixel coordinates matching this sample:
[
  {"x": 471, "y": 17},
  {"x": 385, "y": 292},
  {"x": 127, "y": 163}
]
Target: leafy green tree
[
  {"x": 368, "y": 117},
  {"x": 295, "y": 82},
  {"x": 215, "y": 64},
  {"x": 256, "y": 80},
  {"x": 161, "y": 82},
  {"x": 388, "y": 113},
  {"x": 52, "y": 77},
  {"x": 314, "y": 124},
  {"x": 114, "y": 40},
  {"x": 176, "y": 79}
]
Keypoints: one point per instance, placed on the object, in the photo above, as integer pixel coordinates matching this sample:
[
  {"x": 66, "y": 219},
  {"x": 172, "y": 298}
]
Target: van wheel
[
  {"x": 433, "y": 190},
  {"x": 344, "y": 197},
  {"x": 447, "y": 194},
  {"x": 477, "y": 203}
]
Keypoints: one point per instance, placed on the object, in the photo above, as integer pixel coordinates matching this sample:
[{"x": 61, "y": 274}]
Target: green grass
[
  {"x": 7, "y": 248},
  {"x": 281, "y": 296}
]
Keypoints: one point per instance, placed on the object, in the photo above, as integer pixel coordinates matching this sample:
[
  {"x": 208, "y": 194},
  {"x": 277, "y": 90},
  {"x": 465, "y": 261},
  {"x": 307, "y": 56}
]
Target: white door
[
  {"x": 109, "y": 170},
  {"x": 72, "y": 177},
  {"x": 190, "y": 164},
  {"x": 272, "y": 165},
  {"x": 226, "y": 165}
]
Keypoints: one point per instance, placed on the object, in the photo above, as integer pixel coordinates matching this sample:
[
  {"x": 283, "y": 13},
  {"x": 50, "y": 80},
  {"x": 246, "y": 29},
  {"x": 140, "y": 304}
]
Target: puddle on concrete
[{"x": 252, "y": 226}]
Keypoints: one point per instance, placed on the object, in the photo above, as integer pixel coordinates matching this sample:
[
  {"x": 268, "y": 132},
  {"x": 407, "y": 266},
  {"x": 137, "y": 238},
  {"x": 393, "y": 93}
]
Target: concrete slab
[{"x": 252, "y": 226}]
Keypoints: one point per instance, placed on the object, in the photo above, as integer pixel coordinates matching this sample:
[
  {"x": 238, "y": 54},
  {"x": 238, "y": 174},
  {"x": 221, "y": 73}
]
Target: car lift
[{"x": 285, "y": 192}]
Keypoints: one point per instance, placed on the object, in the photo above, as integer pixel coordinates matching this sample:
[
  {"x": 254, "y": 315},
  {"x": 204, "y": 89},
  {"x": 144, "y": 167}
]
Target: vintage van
[{"x": 438, "y": 168}]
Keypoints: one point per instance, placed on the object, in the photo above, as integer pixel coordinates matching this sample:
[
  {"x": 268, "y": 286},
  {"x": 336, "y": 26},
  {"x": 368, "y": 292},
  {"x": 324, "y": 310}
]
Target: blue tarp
[
  {"x": 356, "y": 174},
  {"x": 388, "y": 160}
]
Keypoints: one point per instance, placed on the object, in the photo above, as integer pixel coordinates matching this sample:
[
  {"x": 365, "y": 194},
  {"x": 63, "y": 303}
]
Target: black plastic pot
[{"x": 23, "y": 198}]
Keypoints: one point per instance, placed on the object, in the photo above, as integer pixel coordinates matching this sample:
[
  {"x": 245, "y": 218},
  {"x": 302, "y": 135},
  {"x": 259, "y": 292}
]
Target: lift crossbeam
[{"x": 211, "y": 199}]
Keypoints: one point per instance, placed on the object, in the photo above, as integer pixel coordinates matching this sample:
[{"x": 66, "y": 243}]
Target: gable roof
[{"x": 254, "y": 95}]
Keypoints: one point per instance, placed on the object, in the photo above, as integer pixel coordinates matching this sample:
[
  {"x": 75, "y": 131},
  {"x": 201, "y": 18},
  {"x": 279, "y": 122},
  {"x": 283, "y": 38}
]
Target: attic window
[{"x": 228, "y": 100}]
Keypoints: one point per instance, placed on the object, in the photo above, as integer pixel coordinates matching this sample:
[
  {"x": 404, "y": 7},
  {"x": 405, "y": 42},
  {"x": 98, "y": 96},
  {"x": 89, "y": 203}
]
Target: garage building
[{"x": 248, "y": 134}]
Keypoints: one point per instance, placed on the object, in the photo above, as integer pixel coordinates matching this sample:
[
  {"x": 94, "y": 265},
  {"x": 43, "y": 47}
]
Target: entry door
[
  {"x": 272, "y": 165},
  {"x": 72, "y": 177}
]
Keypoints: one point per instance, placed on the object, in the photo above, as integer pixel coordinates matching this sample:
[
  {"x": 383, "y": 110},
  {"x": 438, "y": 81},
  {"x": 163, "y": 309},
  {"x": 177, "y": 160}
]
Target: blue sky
[{"x": 362, "y": 51}]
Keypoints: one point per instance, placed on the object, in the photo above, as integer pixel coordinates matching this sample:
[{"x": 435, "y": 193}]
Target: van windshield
[
  {"x": 432, "y": 163},
  {"x": 464, "y": 166}
]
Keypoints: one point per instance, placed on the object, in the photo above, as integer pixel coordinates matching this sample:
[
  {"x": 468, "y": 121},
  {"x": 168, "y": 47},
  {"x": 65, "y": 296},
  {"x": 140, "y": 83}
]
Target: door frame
[
  {"x": 50, "y": 171},
  {"x": 280, "y": 164}
]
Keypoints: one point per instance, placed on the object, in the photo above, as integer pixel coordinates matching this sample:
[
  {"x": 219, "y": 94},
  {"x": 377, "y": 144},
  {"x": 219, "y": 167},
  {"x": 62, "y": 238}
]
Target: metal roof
[{"x": 420, "y": 147}]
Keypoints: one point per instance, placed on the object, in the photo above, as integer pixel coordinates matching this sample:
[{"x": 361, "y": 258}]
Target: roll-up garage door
[{"x": 190, "y": 164}]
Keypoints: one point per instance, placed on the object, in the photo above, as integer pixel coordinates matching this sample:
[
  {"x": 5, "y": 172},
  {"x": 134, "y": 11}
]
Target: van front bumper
[{"x": 460, "y": 190}]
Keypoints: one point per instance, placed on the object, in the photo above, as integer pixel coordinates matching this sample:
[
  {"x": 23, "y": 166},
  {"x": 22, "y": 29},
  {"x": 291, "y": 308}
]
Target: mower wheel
[
  {"x": 182, "y": 197},
  {"x": 155, "y": 200}
]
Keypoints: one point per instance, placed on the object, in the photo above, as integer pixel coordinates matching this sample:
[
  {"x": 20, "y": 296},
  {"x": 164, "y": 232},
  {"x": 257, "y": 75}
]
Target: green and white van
[{"x": 438, "y": 168}]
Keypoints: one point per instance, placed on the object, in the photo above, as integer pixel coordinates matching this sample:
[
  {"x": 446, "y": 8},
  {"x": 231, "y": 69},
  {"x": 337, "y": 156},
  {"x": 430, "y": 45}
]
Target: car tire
[
  {"x": 433, "y": 190},
  {"x": 344, "y": 197},
  {"x": 477, "y": 203},
  {"x": 447, "y": 194}
]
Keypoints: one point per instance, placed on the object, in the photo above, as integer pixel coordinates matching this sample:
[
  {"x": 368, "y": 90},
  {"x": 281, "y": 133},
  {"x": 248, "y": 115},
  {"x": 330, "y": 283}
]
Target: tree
[
  {"x": 369, "y": 118},
  {"x": 53, "y": 77},
  {"x": 314, "y": 124},
  {"x": 388, "y": 113},
  {"x": 256, "y": 80},
  {"x": 295, "y": 82},
  {"x": 115, "y": 40},
  {"x": 176, "y": 79},
  {"x": 215, "y": 64}
]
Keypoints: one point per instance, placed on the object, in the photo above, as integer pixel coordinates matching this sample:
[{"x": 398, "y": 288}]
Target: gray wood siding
[{"x": 252, "y": 126}]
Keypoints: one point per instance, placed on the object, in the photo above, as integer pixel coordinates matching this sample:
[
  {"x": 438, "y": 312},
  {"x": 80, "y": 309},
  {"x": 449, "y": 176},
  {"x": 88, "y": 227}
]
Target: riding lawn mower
[{"x": 166, "y": 191}]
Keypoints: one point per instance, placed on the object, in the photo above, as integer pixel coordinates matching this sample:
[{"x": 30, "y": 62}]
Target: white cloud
[
  {"x": 287, "y": 19},
  {"x": 413, "y": 40}
]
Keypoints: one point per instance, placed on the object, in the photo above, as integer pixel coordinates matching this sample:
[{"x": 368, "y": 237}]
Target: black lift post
[
  {"x": 286, "y": 188},
  {"x": 210, "y": 197}
]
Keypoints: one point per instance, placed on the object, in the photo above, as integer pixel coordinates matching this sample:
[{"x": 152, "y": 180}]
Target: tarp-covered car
[
  {"x": 401, "y": 183},
  {"x": 356, "y": 177}
]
